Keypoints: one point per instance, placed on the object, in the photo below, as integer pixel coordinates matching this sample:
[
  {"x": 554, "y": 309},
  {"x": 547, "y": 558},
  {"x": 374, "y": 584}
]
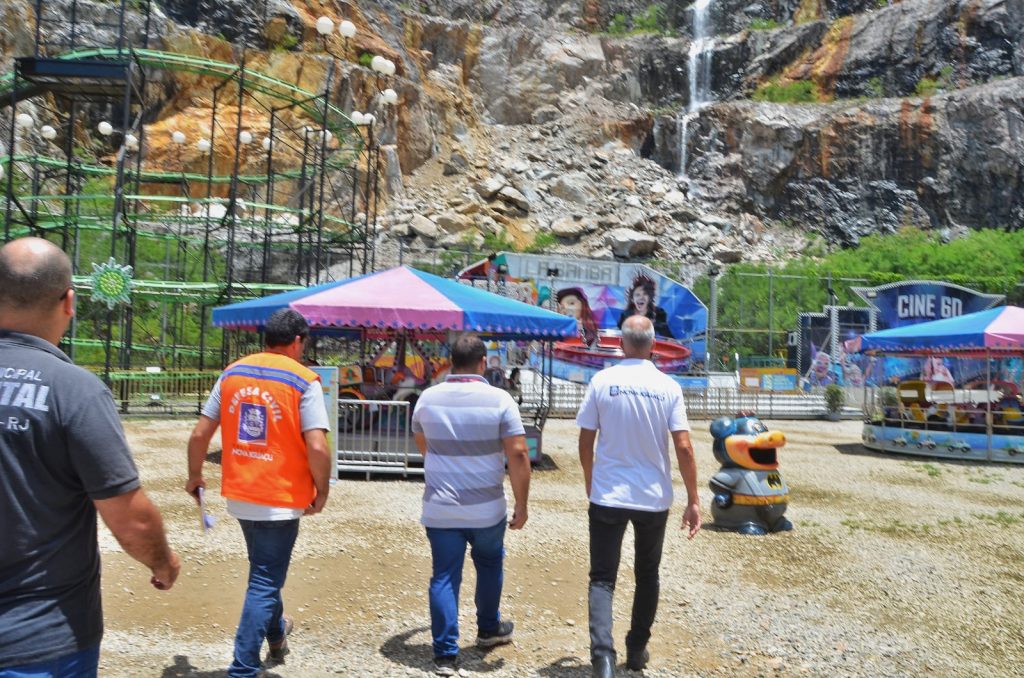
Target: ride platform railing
[{"x": 375, "y": 436}]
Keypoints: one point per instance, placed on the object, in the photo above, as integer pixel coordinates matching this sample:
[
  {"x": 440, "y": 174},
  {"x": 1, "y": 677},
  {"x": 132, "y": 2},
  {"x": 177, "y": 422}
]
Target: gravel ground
[{"x": 897, "y": 566}]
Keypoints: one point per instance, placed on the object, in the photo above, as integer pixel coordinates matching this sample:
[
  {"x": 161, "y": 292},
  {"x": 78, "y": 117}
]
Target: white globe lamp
[
  {"x": 324, "y": 26},
  {"x": 347, "y": 29}
]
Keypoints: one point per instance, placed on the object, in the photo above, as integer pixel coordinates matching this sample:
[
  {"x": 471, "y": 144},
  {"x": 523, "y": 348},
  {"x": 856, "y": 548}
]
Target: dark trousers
[{"x": 607, "y": 527}]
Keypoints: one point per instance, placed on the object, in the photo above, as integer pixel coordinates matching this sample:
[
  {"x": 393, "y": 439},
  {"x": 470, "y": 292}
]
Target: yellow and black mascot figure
[{"x": 750, "y": 494}]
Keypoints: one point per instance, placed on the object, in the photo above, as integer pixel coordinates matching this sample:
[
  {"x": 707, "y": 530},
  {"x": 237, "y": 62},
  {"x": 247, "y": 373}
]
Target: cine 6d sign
[{"x": 917, "y": 301}]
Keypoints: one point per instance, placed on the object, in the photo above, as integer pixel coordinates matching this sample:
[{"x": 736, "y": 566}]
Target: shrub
[
  {"x": 650, "y": 20},
  {"x": 764, "y": 24},
  {"x": 927, "y": 87},
  {"x": 618, "y": 25},
  {"x": 541, "y": 243},
  {"x": 835, "y": 398},
  {"x": 288, "y": 42},
  {"x": 875, "y": 88},
  {"x": 796, "y": 92}
]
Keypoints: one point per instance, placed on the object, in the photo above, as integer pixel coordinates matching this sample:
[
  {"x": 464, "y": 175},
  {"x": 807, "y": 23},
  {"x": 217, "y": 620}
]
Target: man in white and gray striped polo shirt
[{"x": 466, "y": 429}]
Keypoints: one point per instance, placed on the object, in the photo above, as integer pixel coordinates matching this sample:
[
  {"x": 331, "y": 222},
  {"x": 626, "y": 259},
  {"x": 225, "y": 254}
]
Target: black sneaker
[
  {"x": 447, "y": 665},
  {"x": 499, "y": 636}
]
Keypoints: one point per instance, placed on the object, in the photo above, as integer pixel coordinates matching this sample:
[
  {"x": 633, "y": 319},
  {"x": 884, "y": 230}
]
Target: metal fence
[
  {"x": 375, "y": 436},
  {"x": 141, "y": 392},
  {"x": 701, "y": 404}
]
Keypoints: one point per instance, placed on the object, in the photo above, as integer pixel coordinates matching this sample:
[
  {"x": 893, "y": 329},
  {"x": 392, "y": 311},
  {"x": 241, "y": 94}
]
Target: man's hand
[
  {"x": 193, "y": 485},
  {"x": 519, "y": 517},
  {"x": 518, "y": 456},
  {"x": 136, "y": 524},
  {"x": 318, "y": 504},
  {"x": 691, "y": 520},
  {"x": 164, "y": 577}
]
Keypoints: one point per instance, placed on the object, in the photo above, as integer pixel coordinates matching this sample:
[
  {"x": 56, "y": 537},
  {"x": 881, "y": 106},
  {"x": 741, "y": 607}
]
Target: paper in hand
[{"x": 206, "y": 521}]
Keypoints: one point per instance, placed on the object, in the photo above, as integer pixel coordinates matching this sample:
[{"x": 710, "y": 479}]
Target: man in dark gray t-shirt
[{"x": 63, "y": 458}]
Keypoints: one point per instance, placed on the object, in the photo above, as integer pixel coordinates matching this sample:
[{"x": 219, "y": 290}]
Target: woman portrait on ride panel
[
  {"x": 640, "y": 301},
  {"x": 572, "y": 301}
]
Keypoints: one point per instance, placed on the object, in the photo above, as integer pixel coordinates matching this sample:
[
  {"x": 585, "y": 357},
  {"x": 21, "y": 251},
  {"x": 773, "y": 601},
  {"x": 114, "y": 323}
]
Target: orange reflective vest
[{"x": 264, "y": 454}]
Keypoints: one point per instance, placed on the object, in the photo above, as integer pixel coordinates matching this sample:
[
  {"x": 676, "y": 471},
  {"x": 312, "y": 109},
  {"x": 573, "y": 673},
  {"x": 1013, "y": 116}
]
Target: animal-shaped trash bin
[{"x": 750, "y": 494}]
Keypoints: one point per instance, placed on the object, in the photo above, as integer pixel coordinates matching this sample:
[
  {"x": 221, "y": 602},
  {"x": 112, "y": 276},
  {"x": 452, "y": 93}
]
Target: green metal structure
[{"x": 267, "y": 214}]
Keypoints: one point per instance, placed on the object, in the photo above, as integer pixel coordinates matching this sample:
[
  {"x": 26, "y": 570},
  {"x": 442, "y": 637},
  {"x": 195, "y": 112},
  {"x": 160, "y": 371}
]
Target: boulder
[
  {"x": 423, "y": 227},
  {"x": 571, "y": 227},
  {"x": 546, "y": 114},
  {"x": 453, "y": 222},
  {"x": 674, "y": 199},
  {"x": 632, "y": 217},
  {"x": 627, "y": 243},
  {"x": 574, "y": 187},
  {"x": 727, "y": 255},
  {"x": 514, "y": 197},
  {"x": 489, "y": 187},
  {"x": 457, "y": 164},
  {"x": 399, "y": 229}
]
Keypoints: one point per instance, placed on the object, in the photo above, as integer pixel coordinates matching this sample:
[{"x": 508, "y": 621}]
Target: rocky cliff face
[
  {"x": 948, "y": 162},
  {"x": 544, "y": 118}
]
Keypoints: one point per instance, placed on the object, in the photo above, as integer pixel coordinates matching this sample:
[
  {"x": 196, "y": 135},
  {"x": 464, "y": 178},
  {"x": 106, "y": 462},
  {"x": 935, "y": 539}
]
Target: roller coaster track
[
  {"x": 168, "y": 211},
  {"x": 336, "y": 119},
  {"x": 208, "y": 292}
]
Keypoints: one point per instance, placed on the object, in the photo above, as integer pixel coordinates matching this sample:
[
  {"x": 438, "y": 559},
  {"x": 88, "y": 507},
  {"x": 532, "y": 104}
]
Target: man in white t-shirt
[{"x": 636, "y": 408}]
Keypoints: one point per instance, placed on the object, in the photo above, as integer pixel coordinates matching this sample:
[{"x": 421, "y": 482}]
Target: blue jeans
[
  {"x": 448, "y": 548},
  {"x": 81, "y": 664},
  {"x": 269, "y": 543}
]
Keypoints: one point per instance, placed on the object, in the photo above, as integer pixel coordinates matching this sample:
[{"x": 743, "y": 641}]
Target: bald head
[
  {"x": 34, "y": 273},
  {"x": 637, "y": 336}
]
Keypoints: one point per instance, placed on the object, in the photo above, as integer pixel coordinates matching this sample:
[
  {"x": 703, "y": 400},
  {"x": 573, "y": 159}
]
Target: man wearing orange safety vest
[{"x": 276, "y": 467}]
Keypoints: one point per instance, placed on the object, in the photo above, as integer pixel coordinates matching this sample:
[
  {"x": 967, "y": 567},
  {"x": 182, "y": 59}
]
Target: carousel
[
  {"x": 387, "y": 335},
  {"x": 963, "y": 399}
]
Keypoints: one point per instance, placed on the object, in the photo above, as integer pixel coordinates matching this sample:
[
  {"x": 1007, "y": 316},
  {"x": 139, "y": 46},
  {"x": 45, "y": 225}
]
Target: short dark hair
[
  {"x": 467, "y": 351},
  {"x": 31, "y": 281},
  {"x": 283, "y": 326}
]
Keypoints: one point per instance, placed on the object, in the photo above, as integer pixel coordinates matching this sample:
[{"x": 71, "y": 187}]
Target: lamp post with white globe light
[{"x": 325, "y": 27}]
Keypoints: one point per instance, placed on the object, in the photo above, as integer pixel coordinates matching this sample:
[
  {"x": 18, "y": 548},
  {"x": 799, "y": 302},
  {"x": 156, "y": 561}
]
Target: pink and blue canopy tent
[
  {"x": 403, "y": 298},
  {"x": 993, "y": 331}
]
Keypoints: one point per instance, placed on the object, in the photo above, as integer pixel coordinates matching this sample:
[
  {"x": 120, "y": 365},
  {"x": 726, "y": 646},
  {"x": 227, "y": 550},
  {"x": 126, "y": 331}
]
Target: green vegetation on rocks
[{"x": 796, "y": 92}]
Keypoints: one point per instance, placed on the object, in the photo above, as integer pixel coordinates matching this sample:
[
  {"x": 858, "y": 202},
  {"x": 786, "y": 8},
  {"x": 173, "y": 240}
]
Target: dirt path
[{"x": 897, "y": 566}]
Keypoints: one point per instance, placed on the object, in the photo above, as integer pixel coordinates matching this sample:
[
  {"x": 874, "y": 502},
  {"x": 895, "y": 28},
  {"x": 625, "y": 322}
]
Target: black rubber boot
[{"x": 604, "y": 667}]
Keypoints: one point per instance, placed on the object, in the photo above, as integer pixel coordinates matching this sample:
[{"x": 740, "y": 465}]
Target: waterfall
[{"x": 702, "y": 45}]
